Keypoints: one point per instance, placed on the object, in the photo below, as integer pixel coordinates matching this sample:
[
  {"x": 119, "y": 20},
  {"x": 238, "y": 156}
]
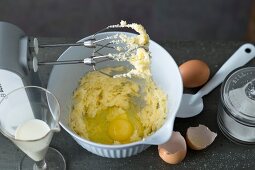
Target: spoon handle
[{"x": 242, "y": 56}]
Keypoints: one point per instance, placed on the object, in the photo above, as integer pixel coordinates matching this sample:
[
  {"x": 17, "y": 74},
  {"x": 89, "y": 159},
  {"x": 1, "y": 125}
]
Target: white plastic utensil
[{"x": 192, "y": 104}]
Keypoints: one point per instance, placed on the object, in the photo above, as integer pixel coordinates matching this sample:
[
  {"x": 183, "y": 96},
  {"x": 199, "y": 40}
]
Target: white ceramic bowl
[{"x": 64, "y": 80}]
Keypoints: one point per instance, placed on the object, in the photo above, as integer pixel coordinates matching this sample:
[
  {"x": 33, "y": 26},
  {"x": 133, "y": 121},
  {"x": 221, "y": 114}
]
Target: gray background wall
[{"x": 163, "y": 19}]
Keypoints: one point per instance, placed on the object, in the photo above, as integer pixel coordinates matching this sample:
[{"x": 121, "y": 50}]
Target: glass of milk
[{"x": 29, "y": 116}]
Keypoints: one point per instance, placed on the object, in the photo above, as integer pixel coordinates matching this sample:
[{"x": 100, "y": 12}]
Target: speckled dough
[
  {"x": 116, "y": 98},
  {"x": 120, "y": 109}
]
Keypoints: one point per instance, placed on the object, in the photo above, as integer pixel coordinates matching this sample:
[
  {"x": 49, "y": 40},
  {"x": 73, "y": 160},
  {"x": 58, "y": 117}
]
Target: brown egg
[
  {"x": 174, "y": 150},
  {"x": 200, "y": 137},
  {"x": 194, "y": 73}
]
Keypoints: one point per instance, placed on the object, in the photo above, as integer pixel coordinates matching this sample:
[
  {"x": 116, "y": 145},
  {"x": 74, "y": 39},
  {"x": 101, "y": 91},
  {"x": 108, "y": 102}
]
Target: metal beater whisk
[{"x": 112, "y": 42}]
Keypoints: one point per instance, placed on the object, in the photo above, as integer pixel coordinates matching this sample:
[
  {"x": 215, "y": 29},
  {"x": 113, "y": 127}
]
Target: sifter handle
[{"x": 242, "y": 56}]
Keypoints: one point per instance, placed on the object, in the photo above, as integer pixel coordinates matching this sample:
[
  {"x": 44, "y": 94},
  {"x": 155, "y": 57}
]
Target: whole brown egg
[{"x": 194, "y": 73}]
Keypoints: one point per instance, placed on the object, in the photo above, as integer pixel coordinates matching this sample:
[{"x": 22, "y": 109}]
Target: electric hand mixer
[
  {"x": 19, "y": 65},
  {"x": 15, "y": 53}
]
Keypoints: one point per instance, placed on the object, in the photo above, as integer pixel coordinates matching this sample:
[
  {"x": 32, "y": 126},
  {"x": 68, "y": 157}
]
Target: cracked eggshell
[
  {"x": 174, "y": 150},
  {"x": 200, "y": 137}
]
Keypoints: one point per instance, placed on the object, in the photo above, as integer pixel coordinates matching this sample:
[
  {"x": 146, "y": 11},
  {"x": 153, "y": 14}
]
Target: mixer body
[{"x": 15, "y": 56}]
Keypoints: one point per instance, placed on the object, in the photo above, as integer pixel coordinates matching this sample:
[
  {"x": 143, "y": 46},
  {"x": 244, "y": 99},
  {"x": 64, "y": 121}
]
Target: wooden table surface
[{"x": 222, "y": 154}]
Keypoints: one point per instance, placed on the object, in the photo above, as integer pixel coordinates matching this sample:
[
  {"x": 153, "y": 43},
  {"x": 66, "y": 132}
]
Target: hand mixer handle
[{"x": 242, "y": 56}]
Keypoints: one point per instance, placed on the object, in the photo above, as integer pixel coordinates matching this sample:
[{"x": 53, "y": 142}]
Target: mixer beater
[
  {"x": 18, "y": 53},
  {"x": 121, "y": 45}
]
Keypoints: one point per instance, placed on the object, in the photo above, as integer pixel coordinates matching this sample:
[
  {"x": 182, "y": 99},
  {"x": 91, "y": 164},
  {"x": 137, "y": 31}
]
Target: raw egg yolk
[{"x": 120, "y": 129}]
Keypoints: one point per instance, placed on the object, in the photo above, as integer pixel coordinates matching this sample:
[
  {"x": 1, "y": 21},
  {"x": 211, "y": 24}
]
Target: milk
[{"x": 33, "y": 129}]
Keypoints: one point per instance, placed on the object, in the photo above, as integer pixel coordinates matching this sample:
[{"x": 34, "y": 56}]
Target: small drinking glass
[{"x": 29, "y": 116}]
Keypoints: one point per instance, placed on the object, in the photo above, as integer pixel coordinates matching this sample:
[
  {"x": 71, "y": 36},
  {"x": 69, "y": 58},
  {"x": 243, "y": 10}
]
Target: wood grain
[{"x": 251, "y": 26}]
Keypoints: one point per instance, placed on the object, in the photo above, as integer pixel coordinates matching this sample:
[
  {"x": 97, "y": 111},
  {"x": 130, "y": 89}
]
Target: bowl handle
[{"x": 161, "y": 136}]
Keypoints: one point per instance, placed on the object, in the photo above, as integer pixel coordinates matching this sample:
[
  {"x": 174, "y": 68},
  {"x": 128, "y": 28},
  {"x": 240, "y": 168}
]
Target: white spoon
[{"x": 192, "y": 104}]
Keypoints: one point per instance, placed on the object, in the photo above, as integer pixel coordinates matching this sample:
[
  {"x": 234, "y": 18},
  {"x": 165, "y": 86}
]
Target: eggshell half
[
  {"x": 200, "y": 137},
  {"x": 174, "y": 150}
]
